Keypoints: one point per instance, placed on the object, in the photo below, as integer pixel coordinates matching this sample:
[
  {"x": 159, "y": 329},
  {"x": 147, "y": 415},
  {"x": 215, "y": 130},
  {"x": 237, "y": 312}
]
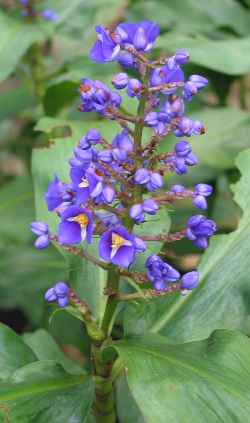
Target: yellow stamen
[
  {"x": 117, "y": 241},
  {"x": 82, "y": 219}
]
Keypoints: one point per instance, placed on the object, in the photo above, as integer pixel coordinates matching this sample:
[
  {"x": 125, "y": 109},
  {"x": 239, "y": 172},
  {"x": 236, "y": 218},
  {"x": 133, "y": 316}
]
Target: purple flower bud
[
  {"x": 199, "y": 81},
  {"x": 182, "y": 148},
  {"x": 150, "y": 206},
  {"x": 181, "y": 57},
  {"x": 63, "y": 302},
  {"x": 119, "y": 155},
  {"x": 39, "y": 228},
  {"x": 159, "y": 285},
  {"x": 140, "y": 39},
  {"x": 50, "y": 295},
  {"x": 190, "y": 280},
  {"x": 58, "y": 293},
  {"x": 151, "y": 119},
  {"x": 199, "y": 228},
  {"x": 135, "y": 211},
  {"x": 198, "y": 128},
  {"x": 203, "y": 189},
  {"x": 200, "y": 202},
  {"x": 93, "y": 136},
  {"x": 49, "y": 15},
  {"x": 61, "y": 289},
  {"x": 105, "y": 156},
  {"x": 134, "y": 88},
  {"x": 177, "y": 189},
  {"x": 140, "y": 245},
  {"x": 191, "y": 159},
  {"x": 123, "y": 141},
  {"x": 42, "y": 242},
  {"x": 126, "y": 60},
  {"x": 142, "y": 176},
  {"x": 156, "y": 180},
  {"x": 180, "y": 166},
  {"x": 120, "y": 80},
  {"x": 108, "y": 194}
]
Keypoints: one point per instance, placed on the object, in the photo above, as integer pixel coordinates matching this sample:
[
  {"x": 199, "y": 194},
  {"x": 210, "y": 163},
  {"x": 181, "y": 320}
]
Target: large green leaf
[
  {"x": 204, "y": 381},
  {"x": 37, "y": 389},
  {"x": 194, "y": 16},
  {"x": 222, "y": 297},
  {"x": 228, "y": 56},
  {"x": 13, "y": 352},
  {"x": 25, "y": 272},
  {"x": 45, "y": 348}
]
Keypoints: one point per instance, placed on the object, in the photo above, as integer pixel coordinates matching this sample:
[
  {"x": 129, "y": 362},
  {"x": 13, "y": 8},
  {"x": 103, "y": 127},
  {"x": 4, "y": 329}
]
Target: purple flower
[
  {"x": 160, "y": 273},
  {"x": 58, "y": 194},
  {"x": 118, "y": 246},
  {"x": 166, "y": 75},
  {"x": 120, "y": 80},
  {"x": 190, "y": 280},
  {"x": 140, "y": 35},
  {"x": 49, "y": 15},
  {"x": 40, "y": 229},
  {"x": 58, "y": 293},
  {"x": 199, "y": 229},
  {"x": 134, "y": 88},
  {"x": 107, "y": 47},
  {"x": 76, "y": 226},
  {"x": 83, "y": 182}
]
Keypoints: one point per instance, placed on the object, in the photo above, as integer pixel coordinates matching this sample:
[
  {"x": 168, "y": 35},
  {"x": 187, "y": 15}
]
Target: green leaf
[
  {"x": 193, "y": 16},
  {"x": 200, "y": 381},
  {"x": 16, "y": 36},
  {"x": 32, "y": 389},
  {"x": 228, "y": 56},
  {"x": 26, "y": 272},
  {"x": 43, "y": 391},
  {"x": 221, "y": 299},
  {"x": 45, "y": 348},
  {"x": 13, "y": 352}
]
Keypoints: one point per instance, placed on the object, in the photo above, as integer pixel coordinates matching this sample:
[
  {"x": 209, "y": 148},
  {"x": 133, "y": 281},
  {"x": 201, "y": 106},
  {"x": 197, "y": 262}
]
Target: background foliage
[{"x": 46, "y": 121}]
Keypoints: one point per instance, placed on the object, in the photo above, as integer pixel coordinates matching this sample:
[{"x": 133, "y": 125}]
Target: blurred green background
[{"x": 36, "y": 110}]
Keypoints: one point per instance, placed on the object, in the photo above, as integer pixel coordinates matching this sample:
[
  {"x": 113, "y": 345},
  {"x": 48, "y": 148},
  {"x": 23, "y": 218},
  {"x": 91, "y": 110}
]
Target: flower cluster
[
  {"x": 58, "y": 293},
  {"x": 29, "y": 11},
  {"x": 162, "y": 275},
  {"x": 116, "y": 185}
]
